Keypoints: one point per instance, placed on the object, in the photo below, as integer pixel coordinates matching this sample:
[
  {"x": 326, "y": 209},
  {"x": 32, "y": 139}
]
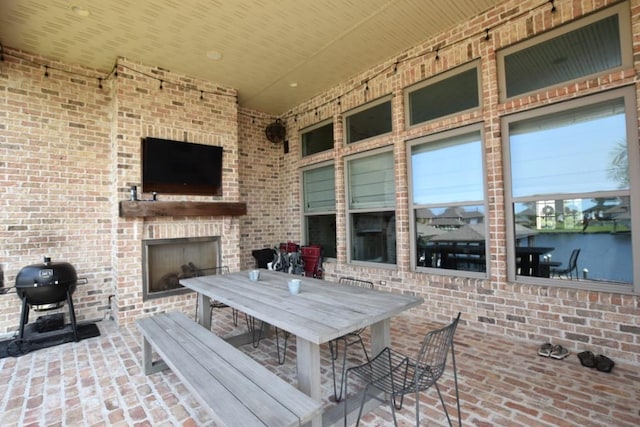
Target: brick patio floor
[{"x": 503, "y": 382}]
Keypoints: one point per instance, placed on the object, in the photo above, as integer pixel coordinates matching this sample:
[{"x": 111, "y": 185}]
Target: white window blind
[
  {"x": 371, "y": 182},
  {"x": 319, "y": 190}
]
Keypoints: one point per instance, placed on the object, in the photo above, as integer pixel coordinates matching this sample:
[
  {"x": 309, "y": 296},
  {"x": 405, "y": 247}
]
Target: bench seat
[{"x": 238, "y": 390}]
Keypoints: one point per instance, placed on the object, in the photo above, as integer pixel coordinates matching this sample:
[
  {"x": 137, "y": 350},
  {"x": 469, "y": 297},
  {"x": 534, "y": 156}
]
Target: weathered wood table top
[{"x": 321, "y": 312}]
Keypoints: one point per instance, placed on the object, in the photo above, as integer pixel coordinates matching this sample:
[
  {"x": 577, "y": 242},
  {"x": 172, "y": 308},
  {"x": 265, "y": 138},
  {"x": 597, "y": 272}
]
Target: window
[
  {"x": 452, "y": 92},
  {"x": 317, "y": 138},
  {"x": 371, "y": 208},
  {"x": 587, "y": 47},
  {"x": 570, "y": 188},
  {"x": 448, "y": 193},
  {"x": 368, "y": 121},
  {"x": 320, "y": 208}
]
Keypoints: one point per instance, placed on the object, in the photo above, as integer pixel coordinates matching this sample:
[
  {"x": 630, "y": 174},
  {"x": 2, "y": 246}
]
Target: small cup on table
[
  {"x": 294, "y": 286},
  {"x": 254, "y": 275}
]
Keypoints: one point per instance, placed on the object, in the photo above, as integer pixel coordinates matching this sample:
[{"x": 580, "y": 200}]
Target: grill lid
[{"x": 46, "y": 283}]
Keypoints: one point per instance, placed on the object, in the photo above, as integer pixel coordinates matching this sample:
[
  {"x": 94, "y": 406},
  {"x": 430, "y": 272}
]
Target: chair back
[
  {"x": 356, "y": 282},
  {"x": 573, "y": 259},
  {"x": 312, "y": 259},
  {"x": 432, "y": 357}
]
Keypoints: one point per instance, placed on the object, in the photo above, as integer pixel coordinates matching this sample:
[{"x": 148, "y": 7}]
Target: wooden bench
[{"x": 238, "y": 390}]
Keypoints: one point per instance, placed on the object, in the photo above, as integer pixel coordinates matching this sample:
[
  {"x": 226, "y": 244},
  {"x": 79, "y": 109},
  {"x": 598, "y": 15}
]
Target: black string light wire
[
  {"x": 393, "y": 67},
  {"x": 485, "y": 34}
]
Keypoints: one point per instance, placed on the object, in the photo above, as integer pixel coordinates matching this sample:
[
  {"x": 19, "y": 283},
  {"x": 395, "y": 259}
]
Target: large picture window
[
  {"x": 319, "y": 201},
  {"x": 570, "y": 190},
  {"x": 448, "y": 193},
  {"x": 371, "y": 208}
]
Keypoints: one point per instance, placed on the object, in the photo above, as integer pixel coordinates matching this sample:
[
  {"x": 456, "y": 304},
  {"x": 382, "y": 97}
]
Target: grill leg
[
  {"x": 72, "y": 316},
  {"x": 24, "y": 317}
]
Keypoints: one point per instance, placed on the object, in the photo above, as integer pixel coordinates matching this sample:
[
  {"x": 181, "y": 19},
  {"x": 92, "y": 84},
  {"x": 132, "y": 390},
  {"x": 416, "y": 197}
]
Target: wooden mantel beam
[{"x": 132, "y": 209}]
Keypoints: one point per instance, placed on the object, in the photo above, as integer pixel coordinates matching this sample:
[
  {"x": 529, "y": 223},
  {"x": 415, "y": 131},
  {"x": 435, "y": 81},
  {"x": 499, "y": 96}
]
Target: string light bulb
[
  {"x": 201, "y": 95},
  {"x": 46, "y": 71},
  {"x": 486, "y": 34},
  {"x": 553, "y": 5},
  {"x": 100, "y": 82},
  {"x": 161, "y": 84}
]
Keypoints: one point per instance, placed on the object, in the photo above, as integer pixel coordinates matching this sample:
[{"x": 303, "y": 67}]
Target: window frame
[
  {"x": 434, "y": 139},
  {"x": 437, "y": 79},
  {"x": 305, "y": 214},
  {"x": 626, "y": 48},
  {"x": 349, "y": 211},
  {"x": 360, "y": 109},
  {"x": 311, "y": 128},
  {"x": 629, "y": 96}
]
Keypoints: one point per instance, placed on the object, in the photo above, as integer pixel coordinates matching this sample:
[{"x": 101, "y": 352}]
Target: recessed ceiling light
[
  {"x": 80, "y": 11},
  {"x": 293, "y": 84},
  {"x": 214, "y": 55}
]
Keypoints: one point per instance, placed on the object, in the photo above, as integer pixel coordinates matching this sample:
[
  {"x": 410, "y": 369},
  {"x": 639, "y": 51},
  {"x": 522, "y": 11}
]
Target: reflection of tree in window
[{"x": 620, "y": 165}]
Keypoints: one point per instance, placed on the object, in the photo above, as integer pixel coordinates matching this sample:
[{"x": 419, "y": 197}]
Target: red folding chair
[{"x": 312, "y": 258}]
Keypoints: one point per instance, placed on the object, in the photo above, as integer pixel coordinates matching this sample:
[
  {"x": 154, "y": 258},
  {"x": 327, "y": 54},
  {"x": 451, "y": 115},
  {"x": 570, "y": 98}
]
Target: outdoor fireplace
[{"x": 166, "y": 261}]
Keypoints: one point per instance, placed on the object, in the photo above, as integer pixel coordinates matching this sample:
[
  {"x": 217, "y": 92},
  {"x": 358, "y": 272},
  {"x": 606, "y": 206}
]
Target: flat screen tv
[{"x": 174, "y": 167}]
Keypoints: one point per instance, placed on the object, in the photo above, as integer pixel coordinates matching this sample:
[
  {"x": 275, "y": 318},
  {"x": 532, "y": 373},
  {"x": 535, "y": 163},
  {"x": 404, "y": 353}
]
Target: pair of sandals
[
  {"x": 555, "y": 351},
  {"x": 600, "y": 362}
]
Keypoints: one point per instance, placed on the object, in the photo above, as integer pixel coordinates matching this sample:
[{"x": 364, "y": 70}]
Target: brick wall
[
  {"x": 175, "y": 111},
  {"x": 261, "y": 162},
  {"x": 601, "y": 321},
  {"x": 70, "y": 152},
  {"x": 56, "y": 186}
]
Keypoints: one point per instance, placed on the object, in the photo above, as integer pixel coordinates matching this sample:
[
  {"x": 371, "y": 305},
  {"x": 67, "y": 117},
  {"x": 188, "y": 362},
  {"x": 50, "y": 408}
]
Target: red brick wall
[
  {"x": 56, "y": 185},
  {"x": 70, "y": 152},
  {"x": 174, "y": 112},
  {"x": 601, "y": 321}
]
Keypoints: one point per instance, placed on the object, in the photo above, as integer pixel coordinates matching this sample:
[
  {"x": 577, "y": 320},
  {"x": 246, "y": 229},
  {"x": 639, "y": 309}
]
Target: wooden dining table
[{"x": 322, "y": 311}]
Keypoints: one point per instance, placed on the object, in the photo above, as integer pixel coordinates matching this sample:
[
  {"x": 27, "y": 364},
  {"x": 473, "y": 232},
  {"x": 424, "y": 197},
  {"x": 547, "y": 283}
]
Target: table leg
[
  {"x": 204, "y": 311},
  {"x": 308, "y": 365},
  {"x": 380, "y": 336}
]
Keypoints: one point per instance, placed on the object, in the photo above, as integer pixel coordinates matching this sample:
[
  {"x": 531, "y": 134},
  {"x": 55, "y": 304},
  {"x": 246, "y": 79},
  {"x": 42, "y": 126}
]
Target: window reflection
[
  {"x": 451, "y": 238},
  {"x": 599, "y": 227}
]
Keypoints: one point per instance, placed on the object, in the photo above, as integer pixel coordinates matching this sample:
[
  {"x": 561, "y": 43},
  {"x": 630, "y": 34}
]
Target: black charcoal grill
[{"x": 46, "y": 286}]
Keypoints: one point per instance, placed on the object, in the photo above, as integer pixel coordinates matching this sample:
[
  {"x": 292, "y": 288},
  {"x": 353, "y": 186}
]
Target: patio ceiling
[{"x": 266, "y": 47}]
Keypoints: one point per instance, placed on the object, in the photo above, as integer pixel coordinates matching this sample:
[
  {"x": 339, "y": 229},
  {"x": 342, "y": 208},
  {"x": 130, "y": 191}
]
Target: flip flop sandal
[
  {"x": 559, "y": 352},
  {"x": 603, "y": 363},
  {"x": 587, "y": 358},
  {"x": 545, "y": 349}
]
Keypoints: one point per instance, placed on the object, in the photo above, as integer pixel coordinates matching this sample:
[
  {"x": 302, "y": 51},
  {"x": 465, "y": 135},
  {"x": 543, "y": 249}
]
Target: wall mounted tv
[{"x": 174, "y": 167}]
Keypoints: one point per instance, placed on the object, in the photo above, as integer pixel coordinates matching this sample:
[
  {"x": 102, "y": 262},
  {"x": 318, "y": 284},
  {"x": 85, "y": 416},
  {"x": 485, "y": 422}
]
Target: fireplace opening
[{"x": 166, "y": 261}]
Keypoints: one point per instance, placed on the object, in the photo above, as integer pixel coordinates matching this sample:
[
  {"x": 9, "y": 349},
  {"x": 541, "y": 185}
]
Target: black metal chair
[
  {"x": 396, "y": 374},
  {"x": 347, "y": 340},
  {"x": 571, "y": 266}
]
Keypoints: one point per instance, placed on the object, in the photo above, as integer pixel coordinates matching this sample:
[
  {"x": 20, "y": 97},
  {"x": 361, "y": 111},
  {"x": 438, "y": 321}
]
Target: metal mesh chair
[
  {"x": 396, "y": 374},
  {"x": 571, "y": 266},
  {"x": 347, "y": 340}
]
